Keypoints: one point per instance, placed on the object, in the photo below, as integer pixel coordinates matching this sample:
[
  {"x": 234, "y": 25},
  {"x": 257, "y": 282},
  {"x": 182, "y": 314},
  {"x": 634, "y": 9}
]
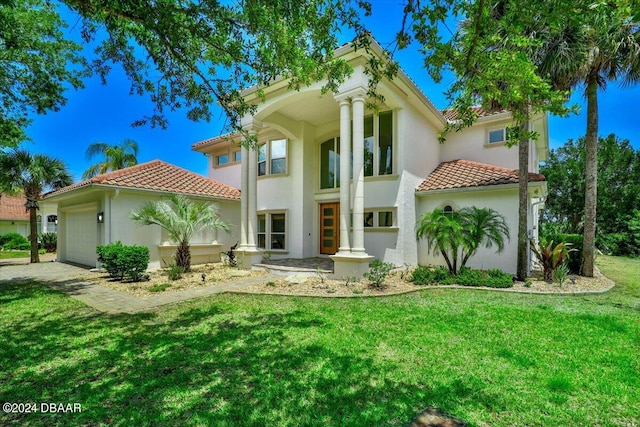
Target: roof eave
[
  {"x": 107, "y": 187},
  {"x": 489, "y": 187}
]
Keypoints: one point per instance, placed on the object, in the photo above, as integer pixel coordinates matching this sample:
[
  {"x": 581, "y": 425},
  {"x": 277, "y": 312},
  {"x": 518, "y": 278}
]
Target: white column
[
  {"x": 345, "y": 172},
  {"x": 358, "y": 174},
  {"x": 244, "y": 192},
  {"x": 214, "y": 236},
  {"x": 252, "y": 198}
]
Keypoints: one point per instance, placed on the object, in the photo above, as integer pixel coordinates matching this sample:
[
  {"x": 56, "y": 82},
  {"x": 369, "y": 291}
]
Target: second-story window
[
  {"x": 330, "y": 163},
  {"x": 222, "y": 159},
  {"x": 378, "y": 144},
  {"x": 272, "y": 157}
]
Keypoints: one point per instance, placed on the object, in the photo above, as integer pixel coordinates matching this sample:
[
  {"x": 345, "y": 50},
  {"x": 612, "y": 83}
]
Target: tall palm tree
[
  {"x": 116, "y": 157},
  {"x": 181, "y": 218},
  {"x": 32, "y": 174},
  {"x": 459, "y": 234},
  {"x": 608, "y": 46}
]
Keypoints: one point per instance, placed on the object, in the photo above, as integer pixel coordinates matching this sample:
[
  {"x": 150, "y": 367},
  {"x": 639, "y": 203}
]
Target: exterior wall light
[{"x": 100, "y": 217}]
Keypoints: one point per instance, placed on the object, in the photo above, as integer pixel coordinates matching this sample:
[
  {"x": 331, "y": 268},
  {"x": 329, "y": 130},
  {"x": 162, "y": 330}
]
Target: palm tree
[
  {"x": 482, "y": 227},
  {"x": 461, "y": 233},
  {"x": 115, "y": 157},
  {"x": 608, "y": 45},
  {"x": 181, "y": 218},
  {"x": 32, "y": 174},
  {"x": 443, "y": 232}
]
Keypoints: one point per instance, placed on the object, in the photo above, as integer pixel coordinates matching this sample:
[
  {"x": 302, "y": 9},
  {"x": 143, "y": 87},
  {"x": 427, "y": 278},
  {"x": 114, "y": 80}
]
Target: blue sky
[{"x": 105, "y": 113}]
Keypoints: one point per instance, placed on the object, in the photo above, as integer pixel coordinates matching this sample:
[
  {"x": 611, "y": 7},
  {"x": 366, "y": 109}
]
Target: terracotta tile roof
[
  {"x": 465, "y": 173},
  {"x": 157, "y": 175},
  {"x": 13, "y": 208},
  {"x": 451, "y": 114}
]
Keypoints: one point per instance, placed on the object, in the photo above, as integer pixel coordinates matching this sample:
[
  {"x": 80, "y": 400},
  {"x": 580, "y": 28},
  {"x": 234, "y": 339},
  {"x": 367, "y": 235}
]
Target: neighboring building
[
  {"x": 96, "y": 212},
  {"x": 14, "y": 218},
  {"x": 293, "y": 204}
]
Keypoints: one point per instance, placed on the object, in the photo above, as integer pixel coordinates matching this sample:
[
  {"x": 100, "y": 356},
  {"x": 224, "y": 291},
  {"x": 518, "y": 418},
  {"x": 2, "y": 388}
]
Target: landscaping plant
[
  {"x": 14, "y": 241},
  {"x": 181, "y": 217},
  {"x": 49, "y": 241},
  {"x": 378, "y": 272},
  {"x": 459, "y": 234},
  {"x": 124, "y": 262},
  {"x": 551, "y": 257}
]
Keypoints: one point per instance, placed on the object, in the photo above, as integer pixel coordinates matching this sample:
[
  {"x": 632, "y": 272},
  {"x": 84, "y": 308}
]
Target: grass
[
  {"x": 14, "y": 254},
  {"x": 489, "y": 358}
]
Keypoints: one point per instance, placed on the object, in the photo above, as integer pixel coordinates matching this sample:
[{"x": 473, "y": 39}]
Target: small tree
[
  {"x": 181, "y": 218},
  {"x": 459, "y": 234},
  {"x": 31, "y": 174}
]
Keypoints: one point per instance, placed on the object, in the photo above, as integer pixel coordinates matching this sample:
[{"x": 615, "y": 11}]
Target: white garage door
[{"x": 81, "y": 231}]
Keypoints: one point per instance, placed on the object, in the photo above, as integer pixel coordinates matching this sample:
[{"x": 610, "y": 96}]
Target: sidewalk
[{"x": 61, "y": 276}]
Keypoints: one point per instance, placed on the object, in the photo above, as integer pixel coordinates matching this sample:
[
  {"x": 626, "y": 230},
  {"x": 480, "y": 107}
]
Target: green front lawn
[
  {"x": 14, "y": 254},
  {"x": 489, "y": 358}
]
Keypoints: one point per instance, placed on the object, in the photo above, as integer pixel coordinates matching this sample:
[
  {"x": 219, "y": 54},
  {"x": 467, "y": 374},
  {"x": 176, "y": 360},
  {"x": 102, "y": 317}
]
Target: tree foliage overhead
[
  {"x": 199, "y": 54},
  {"x": 37, "y": 64}
]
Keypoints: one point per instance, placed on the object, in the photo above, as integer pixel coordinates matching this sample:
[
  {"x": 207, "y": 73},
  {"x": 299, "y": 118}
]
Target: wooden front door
[{"x": 329, "y": 228}]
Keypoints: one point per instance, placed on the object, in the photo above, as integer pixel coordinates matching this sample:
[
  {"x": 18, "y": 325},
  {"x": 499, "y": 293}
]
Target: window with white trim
[
  {"x": 222, "y": 159},
  {"x": 330, "y": 163},
  {"x": 378, "y": 144},
  {"x": 272, "y": 157},
  {"x": 272, "y": 231},
  {"x": 498, "y": 135},
  {"x": 52, "y": 224},
  {"x": 379, "y": 218}
]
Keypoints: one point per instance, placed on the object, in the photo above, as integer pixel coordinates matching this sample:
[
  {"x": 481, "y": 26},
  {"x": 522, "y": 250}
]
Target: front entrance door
[{"x": 329, "y": 228}]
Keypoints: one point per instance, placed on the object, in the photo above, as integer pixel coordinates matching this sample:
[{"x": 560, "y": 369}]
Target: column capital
[
  {"x": 250, "y": 124},
  {"x": 353, "y": 93}
]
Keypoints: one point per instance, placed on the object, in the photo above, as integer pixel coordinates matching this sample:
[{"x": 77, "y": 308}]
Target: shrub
[
  {"x": 432, "y": 275},
  {"x": 14, "y": 241},
  {"x": 422, "y": 276},
  {"x": 49, "y": 241},
  {"x": 124, "y": 262},
  {"x": 575, "y": 258},
  {"x": 175, "y": 272},
  {"x": 494, "y": 278},
  {"x": 551, "y": 257},
  {"x": 378, "y": 272},
  {"x": 469, "y": 277}
]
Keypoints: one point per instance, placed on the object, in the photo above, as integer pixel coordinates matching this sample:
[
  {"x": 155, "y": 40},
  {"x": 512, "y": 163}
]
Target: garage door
[{"x": 81, "y": 239}]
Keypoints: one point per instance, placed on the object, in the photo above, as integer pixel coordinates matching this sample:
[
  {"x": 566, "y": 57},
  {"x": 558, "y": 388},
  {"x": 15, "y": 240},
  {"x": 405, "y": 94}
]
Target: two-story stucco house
[{"x": 334, "y": 178}]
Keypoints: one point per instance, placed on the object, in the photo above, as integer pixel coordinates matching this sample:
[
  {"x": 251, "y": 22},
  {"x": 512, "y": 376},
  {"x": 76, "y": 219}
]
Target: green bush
[
  {"x": 14, "y": 241},
  {"x": 494, "y": 278},
  {"x": 469, "y": 277},
  {"x": 49, "y": 242},
  {"x": 124, "y": 262},
  {"x": 422, "y": 276},
  {"x": 575, "y": 257},
  {"x": 378, "y": 272}
]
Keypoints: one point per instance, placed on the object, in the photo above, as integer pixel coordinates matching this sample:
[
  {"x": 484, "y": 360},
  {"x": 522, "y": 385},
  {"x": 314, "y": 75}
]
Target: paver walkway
[{"x": 63, "y": 277}]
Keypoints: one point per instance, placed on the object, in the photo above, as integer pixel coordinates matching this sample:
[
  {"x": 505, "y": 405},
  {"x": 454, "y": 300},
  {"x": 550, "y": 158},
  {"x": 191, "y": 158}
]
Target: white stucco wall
[
  {"x": 469, "y": 144},
  {"x": 130, "y": 232},
  {"x": 504, "y": 201}
]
